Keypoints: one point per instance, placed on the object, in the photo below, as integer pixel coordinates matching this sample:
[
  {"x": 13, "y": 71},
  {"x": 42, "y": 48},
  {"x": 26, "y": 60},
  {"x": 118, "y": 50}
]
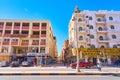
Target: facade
[
  {"x": 95, "y": 29},
  {"x": 23, "y": 36}
]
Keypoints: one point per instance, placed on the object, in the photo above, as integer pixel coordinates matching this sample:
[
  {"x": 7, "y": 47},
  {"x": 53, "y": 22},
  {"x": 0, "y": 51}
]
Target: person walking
[{"x": 99, "y": 66}]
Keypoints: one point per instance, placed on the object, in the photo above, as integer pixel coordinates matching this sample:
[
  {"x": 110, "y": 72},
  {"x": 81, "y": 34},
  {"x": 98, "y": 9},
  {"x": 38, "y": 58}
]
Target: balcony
[
  {"x": 23, "y": 35},
  {"x": 25, "y": 27},
  {"x": 7, "y": 35},
  {"x": 34, "y": 36},
  {"x": 1, "y": 27},
  {"x": 14, "y": 43},
  {"x": 43, "y": 27},
  {"x": 14, "y": 35},
  {"x": 42, "y": 43},
  {"x": 24, "y": 43},
  {"x": 0, "y": 35},
  {"x": 43, "y": 35},
  {"x": 35, "y": 43},
  {"x": 102, "y": 31},
  {"x": 82, "y": 40},
  {"x": 82, "y": 31},
  {"x": 103, "y": 40},
  {"x": 5, "y": 43},
  {"x": 16, "y": 27},
  {"x": 35, "y": 27},
  {"x": 8, "y": 27}
]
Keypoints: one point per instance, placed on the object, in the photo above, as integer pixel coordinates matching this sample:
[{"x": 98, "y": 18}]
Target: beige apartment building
[
  {"x": 26, "y": 36},
  {"x": 95, "y": 29}
]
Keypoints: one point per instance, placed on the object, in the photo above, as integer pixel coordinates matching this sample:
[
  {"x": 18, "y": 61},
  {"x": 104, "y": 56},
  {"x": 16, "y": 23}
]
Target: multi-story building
[
  {"x": 97, "y": 29},
  {"x": 94, "y": 29},
  {"x": 23, "y": 36}
]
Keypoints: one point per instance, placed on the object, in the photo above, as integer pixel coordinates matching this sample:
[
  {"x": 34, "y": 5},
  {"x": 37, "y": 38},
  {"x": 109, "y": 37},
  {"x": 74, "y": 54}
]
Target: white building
[{"x": 95, "y": 29}]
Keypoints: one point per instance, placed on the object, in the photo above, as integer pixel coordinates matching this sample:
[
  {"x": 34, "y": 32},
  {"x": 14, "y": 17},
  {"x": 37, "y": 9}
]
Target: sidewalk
[{"x": 61, "y": 70}]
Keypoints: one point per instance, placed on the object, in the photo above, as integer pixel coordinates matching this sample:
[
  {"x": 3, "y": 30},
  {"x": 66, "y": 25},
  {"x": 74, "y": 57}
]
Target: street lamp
[{"x": 77, "y": 11}]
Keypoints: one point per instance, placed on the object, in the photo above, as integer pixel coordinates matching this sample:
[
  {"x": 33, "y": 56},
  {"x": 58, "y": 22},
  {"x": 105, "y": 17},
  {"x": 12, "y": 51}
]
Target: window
[
  {"x": 25, "y": 24},
  {"x": 9, "y": 24},
  {"x": 15, "y": 32},
  {"x": 110, "y": 18},
  {"x": 79, "y": 20},
  {"x": 14, "y": 40},
  {"x": 80, "y": 28},
  {"x": 44, "y": 24},
  {"x": 92, "y": 46},
  {"x": 6, "y": 40},
  {"x": 81, "y": 46},
  {"x": 43, "y": 40},
  {"x": 98, "y": 19},
  {"x": 112, "y": 27},
  {"x": 35, "y": 24},
  {"x": 37, "y": 41},
  {"x": 26, "y": 41},
  {"x": 90, "y": 18},
  {"x": 16, "y": 24},
  {"x": 114, "y": 46},
  {"x": 35, "y": 32},
  {"x": 114, "y": 36},
  {"x": 102, "y": 46},
  {"x": 80, "y": 37},
  {"x": 1, "y": 23},
  {"x": 25, "y": 32},
  {"x": 42, "y": 50},
  {"x": 100, "y": 28},
  {"x": 101, "y": 37},
  {"x": 92, "y": 36},
  {"x": 43, "y": 32},
  {"x": 91, "y": 26}
]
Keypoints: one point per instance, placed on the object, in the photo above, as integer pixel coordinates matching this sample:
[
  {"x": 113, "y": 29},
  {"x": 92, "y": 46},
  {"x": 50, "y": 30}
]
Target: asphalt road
[{"x": 84, "y": 77}]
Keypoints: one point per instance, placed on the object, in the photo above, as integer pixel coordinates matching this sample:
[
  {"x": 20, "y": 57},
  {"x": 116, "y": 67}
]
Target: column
[
  {"x": 109, "y": 60},
  {"x": 86, "y": 58}
]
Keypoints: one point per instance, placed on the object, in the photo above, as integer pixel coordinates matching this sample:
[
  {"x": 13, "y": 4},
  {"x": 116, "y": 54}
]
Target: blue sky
[{"x": 58, "y": 12}]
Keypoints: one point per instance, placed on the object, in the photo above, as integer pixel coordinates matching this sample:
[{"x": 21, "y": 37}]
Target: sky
[{"x": 59, "y": 12}]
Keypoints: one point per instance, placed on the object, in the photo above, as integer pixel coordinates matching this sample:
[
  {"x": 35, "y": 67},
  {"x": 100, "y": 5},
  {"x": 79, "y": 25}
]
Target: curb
[{"x": 25, "y": 74}]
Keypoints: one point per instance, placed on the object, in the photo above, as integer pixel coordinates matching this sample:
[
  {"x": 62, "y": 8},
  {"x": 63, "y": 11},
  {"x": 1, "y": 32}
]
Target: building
[
  {"x": 65, "y": 53},
  {"x": 94, "y": 29},
  {"x": 24, "y": 36}
]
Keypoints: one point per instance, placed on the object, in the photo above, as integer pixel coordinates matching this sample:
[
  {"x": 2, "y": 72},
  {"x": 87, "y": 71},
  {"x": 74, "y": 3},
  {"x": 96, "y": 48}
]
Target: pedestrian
[{"x": 99, "y": 66}]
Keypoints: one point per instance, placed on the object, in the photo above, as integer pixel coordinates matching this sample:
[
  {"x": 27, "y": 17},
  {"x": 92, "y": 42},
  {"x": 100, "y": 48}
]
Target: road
[{"x": 77, "y": 77}]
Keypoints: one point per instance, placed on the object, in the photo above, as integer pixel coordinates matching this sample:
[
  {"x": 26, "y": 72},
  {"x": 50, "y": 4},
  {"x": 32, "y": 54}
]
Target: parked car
[
  {"x": 25, "y": 64},
  {"x": 14, "y": 64},
  {"x": 4, "y": 64},
  {"x": 82, "y": 64}
]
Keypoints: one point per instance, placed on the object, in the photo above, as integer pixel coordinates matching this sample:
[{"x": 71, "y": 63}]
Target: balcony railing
[
  {"x": 103, "y": 30},
  {"x": 0, "y": 35},
  {"x": 1, "y": 27},
  {"x": 25, "y": 27},
  {"x": 42, "y": 43},
  {"x": 17, "y": 27},
  {"x": 43, "y": 35},
  {"x": 5, "y": 43},
  {"x": 35, "y": 27},
  {"x": 14, "y": 43},
  {"x": 8, "y": 27},
  {"x": 103, "y": 40},
  {"x": 7, "y": 35},
  {"x": 24, "y": 43},
  {"x": 43, "y": 27},
  {"x": 23, "y": 35},
  {"x": 35, "y": 43},
  {"x": 34, "y": 36},
  {"x": 18, "y": 35}
]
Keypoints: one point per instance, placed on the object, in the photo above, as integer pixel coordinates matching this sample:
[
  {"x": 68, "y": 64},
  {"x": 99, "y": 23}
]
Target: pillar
[{"x": 86, "y": 58}]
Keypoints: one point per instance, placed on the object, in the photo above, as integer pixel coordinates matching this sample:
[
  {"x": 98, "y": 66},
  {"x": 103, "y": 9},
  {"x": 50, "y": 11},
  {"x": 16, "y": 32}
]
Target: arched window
[
  {"x": 112, "y": 27},
  {"x": 100, "y": 28},
  {"x": 114, "y": 36},
  {"x": 114, "y": 46},
  {"x": 110, "y": 18},
  {"x": 90, "y": 18},
  {"x": 80, "y": 37},
  {"x": 79, "y": 20},
  {"x": 101, "y": 37},
  {"x": 81, "y": 46},
  {"x": 98, "y": 19},
  {"x": 91, "y": 26},
  {"x": 92, "y": 36},
  {"x": 102, "y": 46},
  {"x": 92, "y": 46},
  {"x": 80, "y": 29}
]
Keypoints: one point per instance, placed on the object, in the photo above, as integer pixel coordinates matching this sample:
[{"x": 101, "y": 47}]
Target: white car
[
  {"x": 3, "y": 64},
  {"x": 25, "y": 63}
]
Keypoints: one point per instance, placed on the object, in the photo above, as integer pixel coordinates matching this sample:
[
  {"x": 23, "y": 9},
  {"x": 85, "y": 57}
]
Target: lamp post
[{"x": 77, "y": 11}]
